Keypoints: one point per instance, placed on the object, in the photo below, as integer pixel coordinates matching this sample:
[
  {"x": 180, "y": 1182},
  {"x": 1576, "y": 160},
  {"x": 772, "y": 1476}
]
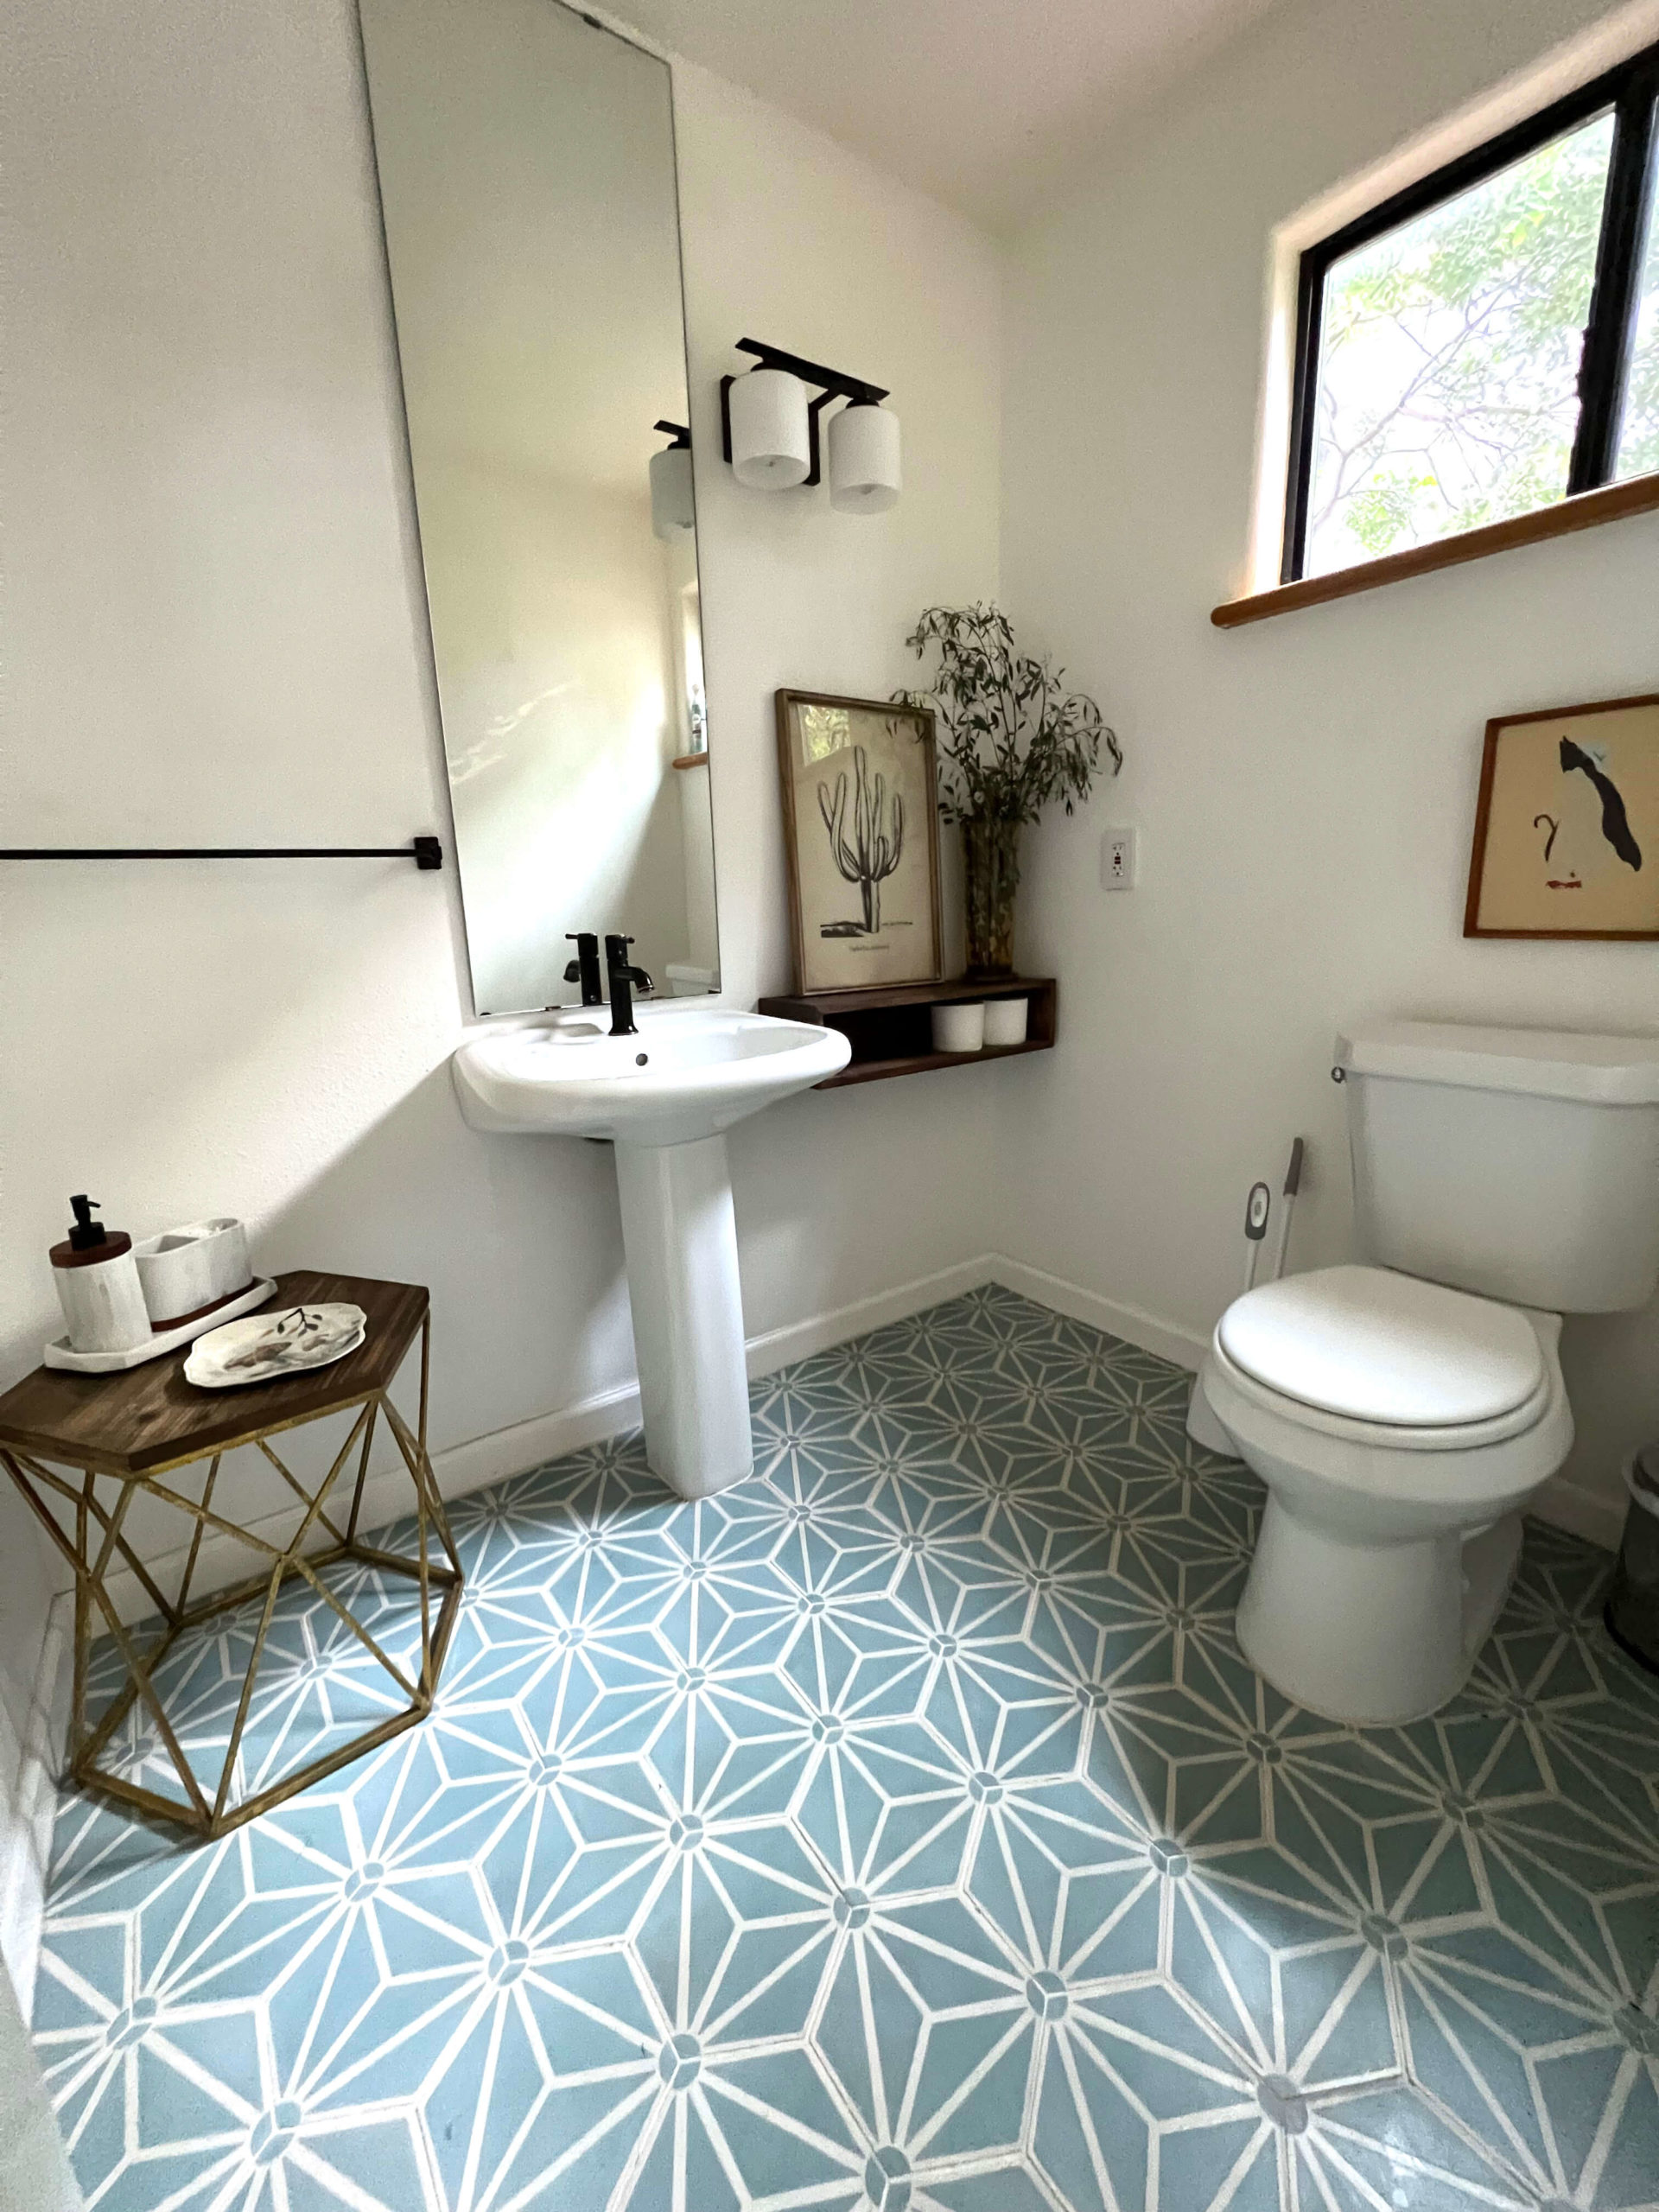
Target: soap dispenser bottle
[{"x": 98, "y": 1289}]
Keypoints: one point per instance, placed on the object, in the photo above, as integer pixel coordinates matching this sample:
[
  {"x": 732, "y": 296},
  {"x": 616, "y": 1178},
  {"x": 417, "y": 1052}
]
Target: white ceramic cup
[
  {"x": 183, "y": 1270},
  {"x": 958, "y": 1028},
  {"x": 1005, "y": 1020}
]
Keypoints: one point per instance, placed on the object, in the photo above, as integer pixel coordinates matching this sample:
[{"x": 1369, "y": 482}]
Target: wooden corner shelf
[{"x": 891, "y": 1025}]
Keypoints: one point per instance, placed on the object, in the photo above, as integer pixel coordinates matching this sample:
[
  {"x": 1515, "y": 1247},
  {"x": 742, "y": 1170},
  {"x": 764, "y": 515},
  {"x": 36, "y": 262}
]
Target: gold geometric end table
[{"x": 62, "y": 1436}]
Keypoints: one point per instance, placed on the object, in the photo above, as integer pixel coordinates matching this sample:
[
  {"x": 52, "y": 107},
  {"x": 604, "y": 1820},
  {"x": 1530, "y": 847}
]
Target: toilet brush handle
[{"x": 1292, "y": 1184}]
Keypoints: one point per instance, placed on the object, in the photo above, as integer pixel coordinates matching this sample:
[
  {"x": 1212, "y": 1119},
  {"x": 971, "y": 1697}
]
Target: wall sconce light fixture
[
  {"x": 765, "y": 419},
  {"x": 673, "y": 502},
  {"x": 864, "y": 475},
  {"x": 771, "y": 430}
]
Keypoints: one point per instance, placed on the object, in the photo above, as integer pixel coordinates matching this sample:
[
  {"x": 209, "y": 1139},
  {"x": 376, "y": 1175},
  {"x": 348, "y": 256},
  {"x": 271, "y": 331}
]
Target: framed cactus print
[{"x": 861, "y": 831}]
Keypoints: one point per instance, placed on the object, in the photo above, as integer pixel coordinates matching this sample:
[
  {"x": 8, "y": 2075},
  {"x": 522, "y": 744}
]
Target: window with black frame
[{"x": 1487, "y": 342}]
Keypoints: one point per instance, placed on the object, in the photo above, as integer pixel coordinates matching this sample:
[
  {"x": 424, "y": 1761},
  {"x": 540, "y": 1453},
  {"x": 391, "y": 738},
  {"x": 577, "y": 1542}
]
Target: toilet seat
[
  {"x": 1385, "y": 1359},
  {"x": 1380, "y": 1436}
]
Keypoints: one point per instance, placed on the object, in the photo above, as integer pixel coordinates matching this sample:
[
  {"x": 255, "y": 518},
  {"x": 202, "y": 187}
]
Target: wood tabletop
[{"x": 149, "y": 1417}]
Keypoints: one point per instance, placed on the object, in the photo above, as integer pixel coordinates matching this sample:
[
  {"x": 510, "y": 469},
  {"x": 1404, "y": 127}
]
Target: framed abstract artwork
[
  {"x": 1566, "y": 827},
  {"x": 861, "y": 830}
]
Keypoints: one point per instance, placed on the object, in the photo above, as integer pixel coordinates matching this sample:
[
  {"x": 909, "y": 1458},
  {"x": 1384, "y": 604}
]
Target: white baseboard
[
  {"x": 1581, "y": 1512},
  {"x": 1169, "y": 1340},
  {"x": 513, "y": 1451},
  {"x": 801, "y": 1339}
]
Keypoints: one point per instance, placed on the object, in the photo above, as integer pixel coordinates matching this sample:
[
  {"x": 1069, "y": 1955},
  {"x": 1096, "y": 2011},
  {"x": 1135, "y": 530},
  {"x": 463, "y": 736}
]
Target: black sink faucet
[
  {"x": 625, "y": 981},
  {"x": 584, "y": 968}
]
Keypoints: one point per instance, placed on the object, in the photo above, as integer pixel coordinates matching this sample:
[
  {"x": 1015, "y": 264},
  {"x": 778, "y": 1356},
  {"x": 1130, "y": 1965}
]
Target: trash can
[{"x": 1632, "y": 1610}]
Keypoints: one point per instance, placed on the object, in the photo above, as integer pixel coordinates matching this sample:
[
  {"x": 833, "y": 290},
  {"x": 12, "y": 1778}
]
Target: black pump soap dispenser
[
  {"x": 86, "y": 1235},
  {"x": 98, "y": 1289}
]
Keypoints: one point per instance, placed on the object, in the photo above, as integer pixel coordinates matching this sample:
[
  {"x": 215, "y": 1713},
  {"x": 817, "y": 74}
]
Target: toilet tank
[{"x": 1520, "y": 1164}]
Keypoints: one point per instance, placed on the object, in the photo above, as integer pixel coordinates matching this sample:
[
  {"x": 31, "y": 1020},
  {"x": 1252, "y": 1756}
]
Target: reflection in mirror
[{"x": 526, "y": 161}]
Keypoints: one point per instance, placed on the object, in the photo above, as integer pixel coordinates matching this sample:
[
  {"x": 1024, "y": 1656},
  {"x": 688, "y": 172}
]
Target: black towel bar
[{"x": 425, "y": 852}]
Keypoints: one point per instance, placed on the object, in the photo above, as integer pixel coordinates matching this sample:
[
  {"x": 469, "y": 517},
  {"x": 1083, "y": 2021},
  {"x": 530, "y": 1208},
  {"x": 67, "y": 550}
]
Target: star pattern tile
[{"x": 899, "y": 1831}]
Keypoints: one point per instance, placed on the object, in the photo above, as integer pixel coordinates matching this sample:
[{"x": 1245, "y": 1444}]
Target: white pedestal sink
[{"x": 664, "y": 1098}]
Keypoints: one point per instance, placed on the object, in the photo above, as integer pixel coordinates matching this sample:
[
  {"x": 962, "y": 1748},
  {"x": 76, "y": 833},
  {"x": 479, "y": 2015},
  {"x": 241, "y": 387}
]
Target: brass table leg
[{"x": 91, "y": 1538}]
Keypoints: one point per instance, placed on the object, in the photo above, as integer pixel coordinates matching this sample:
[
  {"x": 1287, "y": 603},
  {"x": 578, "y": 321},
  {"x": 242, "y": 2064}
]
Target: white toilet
[{"x": 1402, "y": 1412}]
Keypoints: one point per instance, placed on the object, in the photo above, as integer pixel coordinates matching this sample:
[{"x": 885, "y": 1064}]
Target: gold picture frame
[
  {"x": 861, "y": 834},
  {"x": 1566, "y": 824}
]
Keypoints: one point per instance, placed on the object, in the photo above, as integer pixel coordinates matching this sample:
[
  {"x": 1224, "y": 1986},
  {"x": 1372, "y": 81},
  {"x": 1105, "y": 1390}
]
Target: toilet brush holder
[{"x": 1631, "y": 1613}]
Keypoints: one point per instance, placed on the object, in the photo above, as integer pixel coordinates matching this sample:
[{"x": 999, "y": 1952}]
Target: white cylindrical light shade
[
  {"x": 864, "y": 472},
  {"x": 770, "y": 446},
  {"x": 673, "y": 507}
]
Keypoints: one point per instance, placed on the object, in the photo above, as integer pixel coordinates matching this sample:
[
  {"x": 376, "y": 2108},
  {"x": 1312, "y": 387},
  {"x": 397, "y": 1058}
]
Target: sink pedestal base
[{"x": 680, "y": 1236}]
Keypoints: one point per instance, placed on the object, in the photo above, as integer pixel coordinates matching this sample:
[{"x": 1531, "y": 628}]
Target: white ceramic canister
[
  {"x": 959, "y": 1025},
  {"x": 98, "y": 1289},
  {"x": 1005, "y": 1020},
  {"x": 184, "y": 1271}
]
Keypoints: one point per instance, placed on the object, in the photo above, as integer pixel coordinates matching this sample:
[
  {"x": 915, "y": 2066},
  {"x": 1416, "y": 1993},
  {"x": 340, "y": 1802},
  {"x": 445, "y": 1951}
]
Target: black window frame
[{"x": 1632, "y": 92}]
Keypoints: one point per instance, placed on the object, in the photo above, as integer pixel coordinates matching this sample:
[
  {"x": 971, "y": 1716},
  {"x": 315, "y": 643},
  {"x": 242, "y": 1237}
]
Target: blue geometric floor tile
[
  {"x": 1389, "y": 2147},
  {"x": 902, "y": 1830}
]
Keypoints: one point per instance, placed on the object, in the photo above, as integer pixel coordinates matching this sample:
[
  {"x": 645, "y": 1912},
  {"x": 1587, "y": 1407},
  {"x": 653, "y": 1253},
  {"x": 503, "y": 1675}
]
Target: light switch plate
[{"x": 1117, "y": 859}]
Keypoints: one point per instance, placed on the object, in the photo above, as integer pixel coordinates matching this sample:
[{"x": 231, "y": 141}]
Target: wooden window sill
[{"x": 1608, "y": 502}]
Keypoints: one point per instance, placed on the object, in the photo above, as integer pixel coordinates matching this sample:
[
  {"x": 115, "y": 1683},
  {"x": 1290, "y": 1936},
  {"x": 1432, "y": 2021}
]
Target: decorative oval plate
[{"x": 268, "y": 1346}]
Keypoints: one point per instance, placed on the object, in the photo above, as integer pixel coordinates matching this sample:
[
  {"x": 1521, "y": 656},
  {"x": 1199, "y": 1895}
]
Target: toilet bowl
[
  {"x": 1400, "y": 1427},
  {"x": 1401, "y": 1413}
]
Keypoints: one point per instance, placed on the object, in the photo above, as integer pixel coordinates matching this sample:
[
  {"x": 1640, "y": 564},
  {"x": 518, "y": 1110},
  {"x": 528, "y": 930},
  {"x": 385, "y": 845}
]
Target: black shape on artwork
[
  {"x": 1615, "y": 823},
  {"x": 869, "y": 854}
]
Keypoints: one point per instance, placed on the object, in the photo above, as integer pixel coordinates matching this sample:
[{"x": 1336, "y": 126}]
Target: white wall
[
  {"x": 1303, "y": 789},
  {"x": 216, "y": 636},
  {"x": 35, "y": 2174}
]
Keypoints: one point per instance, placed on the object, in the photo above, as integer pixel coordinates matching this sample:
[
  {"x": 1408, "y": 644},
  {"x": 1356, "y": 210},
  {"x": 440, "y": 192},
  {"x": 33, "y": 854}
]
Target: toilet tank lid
[{"x": 1543, "y": 1063}]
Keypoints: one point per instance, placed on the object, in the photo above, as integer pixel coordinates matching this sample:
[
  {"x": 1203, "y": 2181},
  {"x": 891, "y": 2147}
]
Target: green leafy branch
[{"x": 1011, "y": 738}]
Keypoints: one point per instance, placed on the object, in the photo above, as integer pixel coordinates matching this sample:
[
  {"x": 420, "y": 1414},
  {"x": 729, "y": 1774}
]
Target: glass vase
[{"x": 990, "y": 851}]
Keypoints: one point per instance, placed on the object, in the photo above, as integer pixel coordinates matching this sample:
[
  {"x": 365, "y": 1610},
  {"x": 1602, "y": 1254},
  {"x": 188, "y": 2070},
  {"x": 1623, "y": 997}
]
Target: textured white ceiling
[{"x": 977, "y": 102}]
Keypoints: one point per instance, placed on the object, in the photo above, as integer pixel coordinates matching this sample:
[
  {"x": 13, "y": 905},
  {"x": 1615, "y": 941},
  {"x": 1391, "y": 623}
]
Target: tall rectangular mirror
[{"x": 527, "y": 182}]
